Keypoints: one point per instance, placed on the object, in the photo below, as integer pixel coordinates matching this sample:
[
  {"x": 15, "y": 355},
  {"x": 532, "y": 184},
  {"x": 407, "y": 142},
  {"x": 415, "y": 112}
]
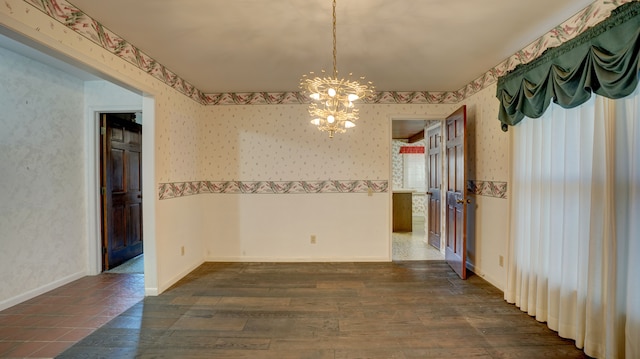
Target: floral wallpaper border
[
  {"x": 181, "y": 189},
  {"x": 75, "y": 19},
  {"x": 487, "y": 188}
]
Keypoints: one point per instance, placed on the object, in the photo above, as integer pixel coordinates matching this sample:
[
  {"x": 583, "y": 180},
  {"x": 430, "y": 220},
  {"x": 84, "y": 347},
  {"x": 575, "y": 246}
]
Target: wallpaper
[
  {"x": 278, "y": 143},
  {"x": 397, "y": 174},
  {"x": 397, "y": 164},
  {"x": 72, "y": 17},
  {"x": 275, "y": 147},
  {"x": 41, "y": 175},
  {"x": 487, "y": 146}
]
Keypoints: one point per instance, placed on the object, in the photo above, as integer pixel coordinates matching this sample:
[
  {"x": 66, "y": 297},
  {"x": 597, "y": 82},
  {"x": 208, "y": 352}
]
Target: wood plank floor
[{"x": 325, "y": 310}]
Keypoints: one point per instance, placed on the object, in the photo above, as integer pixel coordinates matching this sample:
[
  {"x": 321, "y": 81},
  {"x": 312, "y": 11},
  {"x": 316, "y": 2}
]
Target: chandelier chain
[{"x": 335, "y": 51}]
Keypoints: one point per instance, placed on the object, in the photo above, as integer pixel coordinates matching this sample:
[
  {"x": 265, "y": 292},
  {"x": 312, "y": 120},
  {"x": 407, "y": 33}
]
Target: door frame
[
  {"x": 106, "y": 198},
  {"x": 93, "y": 195},
  {"x": 93, "y": 185},
  {"x": 417, "y": 117}
]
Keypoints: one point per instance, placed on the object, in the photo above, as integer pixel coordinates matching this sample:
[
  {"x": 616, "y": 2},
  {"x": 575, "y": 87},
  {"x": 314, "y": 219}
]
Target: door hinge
[
  {"x": 103, "y": 131},
  {"x": 103, "y": 190},
  {"x": 104, "y": 250}
]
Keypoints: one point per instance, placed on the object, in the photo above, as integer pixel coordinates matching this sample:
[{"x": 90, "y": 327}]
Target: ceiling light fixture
[{"x": 332, "y": 98}]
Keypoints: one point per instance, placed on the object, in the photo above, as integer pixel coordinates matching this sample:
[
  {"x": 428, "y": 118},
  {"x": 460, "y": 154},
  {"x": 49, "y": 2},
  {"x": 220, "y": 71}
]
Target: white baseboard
[
  {"x": 172, "y": 281},
  {"x": 10, "y": 302},
  {"x": 151, "y": 292},
  {"x": 296, "y": 259}
]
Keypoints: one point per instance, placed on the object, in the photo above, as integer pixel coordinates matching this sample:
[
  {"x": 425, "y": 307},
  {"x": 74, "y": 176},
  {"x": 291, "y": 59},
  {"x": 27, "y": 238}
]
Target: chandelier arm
[{"x": 335, "y": 51}]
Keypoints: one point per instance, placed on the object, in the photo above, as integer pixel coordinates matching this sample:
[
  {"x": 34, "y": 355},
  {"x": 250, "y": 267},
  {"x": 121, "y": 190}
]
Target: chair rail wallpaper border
[
  {"x": 169, "y": 190},
  {"x": 181, "y": 189},
  {"x": 497, "y": 189}
]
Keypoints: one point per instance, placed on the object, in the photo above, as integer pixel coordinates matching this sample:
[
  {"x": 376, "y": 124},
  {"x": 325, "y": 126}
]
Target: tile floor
[
  {"x": 412, "y": 245},
  {"x": 45, "y": 326}
]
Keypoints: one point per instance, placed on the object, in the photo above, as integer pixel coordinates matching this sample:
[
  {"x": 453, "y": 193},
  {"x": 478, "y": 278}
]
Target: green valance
[{"x": 603, "y": 60}]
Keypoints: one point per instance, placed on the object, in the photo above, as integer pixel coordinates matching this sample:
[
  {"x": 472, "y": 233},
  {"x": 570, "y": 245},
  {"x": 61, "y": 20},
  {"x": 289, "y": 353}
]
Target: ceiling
[
  {"x": 405, "y": 129},
  {"x": 266, "y": 46}
]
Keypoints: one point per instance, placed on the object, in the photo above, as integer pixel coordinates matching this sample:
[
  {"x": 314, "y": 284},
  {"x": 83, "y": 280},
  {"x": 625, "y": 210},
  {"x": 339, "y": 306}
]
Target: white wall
[
  {"x": 184, "y": 221},
  {"x": 269, "y": 227},
  {"x": 42, "y": 189}
]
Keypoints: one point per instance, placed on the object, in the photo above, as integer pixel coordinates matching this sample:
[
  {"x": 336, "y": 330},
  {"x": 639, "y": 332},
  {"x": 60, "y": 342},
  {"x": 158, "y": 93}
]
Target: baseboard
[
  {"x": 151, "y": 292},
  {"x": 161, "y": 288},
  {"x": 296, "y": 259},
  {"x": 7, "y": 303}
]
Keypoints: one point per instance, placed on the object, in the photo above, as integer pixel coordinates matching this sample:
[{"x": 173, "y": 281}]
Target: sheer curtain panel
[{"x": 574, "y": 251}]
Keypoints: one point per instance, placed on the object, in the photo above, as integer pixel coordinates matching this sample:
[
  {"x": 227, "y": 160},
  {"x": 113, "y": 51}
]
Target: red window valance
[{"x": 411, "y": 149}]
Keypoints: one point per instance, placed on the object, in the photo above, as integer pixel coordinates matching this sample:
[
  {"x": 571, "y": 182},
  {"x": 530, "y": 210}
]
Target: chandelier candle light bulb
[{"x": 332, "y": 105}]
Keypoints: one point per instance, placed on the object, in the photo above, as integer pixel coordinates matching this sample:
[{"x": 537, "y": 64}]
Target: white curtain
[{"x": 574, "y": 249}]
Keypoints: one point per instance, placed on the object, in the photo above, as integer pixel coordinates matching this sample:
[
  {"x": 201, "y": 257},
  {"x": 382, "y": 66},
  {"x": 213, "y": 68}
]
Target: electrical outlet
[
  {"x": 182, "y": 250},
  {"x": 501, "y": 261},
  {"x": 313, "y": 239}
]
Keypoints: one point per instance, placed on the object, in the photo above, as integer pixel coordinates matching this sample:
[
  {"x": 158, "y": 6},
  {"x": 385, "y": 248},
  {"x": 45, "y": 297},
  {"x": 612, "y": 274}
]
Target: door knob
[
  {"x": 429, "y": 193},
  {"x": 462, "y": 201}
]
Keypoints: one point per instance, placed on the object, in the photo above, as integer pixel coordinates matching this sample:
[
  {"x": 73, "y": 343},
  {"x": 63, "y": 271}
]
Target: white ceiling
[{"x": 260, "y": 45}]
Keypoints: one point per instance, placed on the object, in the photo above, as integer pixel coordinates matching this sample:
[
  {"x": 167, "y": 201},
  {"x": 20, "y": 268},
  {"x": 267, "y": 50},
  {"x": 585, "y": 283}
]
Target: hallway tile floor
[
  {"x": 411, "y": 246},
  {"x": 45, "y": 326}
]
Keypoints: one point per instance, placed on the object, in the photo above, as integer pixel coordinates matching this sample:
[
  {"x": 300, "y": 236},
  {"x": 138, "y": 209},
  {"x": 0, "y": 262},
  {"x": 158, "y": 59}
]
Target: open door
[
  {"x": 456, "y": 217},
  {"x": 434, "y": 182},
  {"x": 121, "y": 181}
]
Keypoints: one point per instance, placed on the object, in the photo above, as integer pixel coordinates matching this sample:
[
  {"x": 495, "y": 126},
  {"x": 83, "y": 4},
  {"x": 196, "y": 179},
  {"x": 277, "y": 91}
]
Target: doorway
[
  {"x": 121, "y": 192},
  {"x": 409, "y": 187}
]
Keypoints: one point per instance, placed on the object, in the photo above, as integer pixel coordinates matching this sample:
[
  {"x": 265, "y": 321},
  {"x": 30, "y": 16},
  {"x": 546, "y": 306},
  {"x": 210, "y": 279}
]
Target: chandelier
[{"x": 332, "y": 98}]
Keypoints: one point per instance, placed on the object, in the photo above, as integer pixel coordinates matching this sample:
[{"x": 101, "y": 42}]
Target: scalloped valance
[{"x": 603, "y": 60}]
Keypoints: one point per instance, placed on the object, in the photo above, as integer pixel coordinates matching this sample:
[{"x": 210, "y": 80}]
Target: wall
[
  {"x": 42, "y": 202},
  {"x": 167, "y": 108},
  {"x": 488, "y": 172},
  {"x": 397, "y": 164},
  {"x": 276, "y": 145},
  {"x": 397, "y": 174},
  {"x": 179, "y": 223}
]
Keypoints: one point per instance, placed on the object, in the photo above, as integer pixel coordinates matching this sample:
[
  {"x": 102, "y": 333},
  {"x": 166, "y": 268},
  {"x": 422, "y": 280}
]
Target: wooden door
[
  {"x": 121, "y": 181},
  {"x": 456, "y": 217},
  {"x": 434, "y": 179}
]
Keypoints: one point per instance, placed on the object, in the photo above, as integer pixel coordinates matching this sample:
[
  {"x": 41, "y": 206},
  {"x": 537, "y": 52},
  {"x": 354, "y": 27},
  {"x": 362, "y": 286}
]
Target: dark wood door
[
  {"x": 434, "y": 181},
  {"x": 456, "y": 221},
  {"x": 121, "y": 181}
]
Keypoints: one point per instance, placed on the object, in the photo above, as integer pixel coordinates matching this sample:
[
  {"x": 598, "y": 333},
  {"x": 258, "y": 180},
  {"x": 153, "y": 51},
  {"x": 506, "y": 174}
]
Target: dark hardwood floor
[{"x": 325, "y": 310}]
